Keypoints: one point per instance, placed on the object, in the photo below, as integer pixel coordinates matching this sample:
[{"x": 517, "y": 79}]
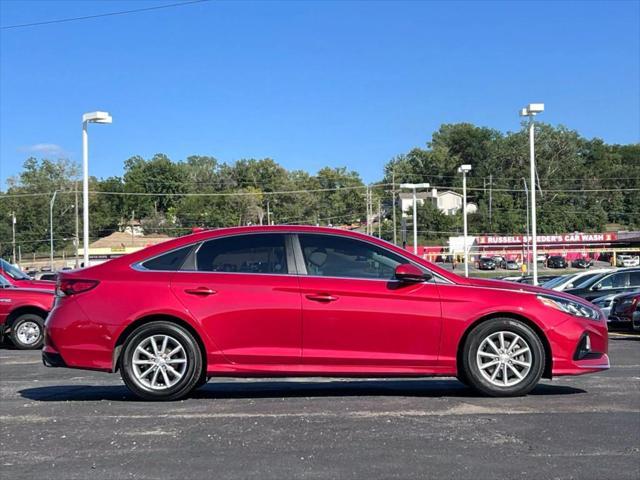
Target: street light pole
[
  {"x": 76, "y": 241},
  {"x": 13, "y": 229},
  {"x": 531, "y": 111},
  {"x": 526, "y": 196},
  {"x": 53, "y": 200},
  {"x": 93, "y": 117},
  {"x": 414, "y": 187},
  {"x": 464, "y": 169}
]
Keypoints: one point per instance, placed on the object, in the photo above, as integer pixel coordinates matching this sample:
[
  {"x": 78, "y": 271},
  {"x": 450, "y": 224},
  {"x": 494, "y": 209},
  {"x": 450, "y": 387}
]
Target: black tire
[
  {"x": 462, "y": 378},
  {"x": 471, "y": 369},
  {"x": 193, "y": 371},
  {"x": 23, "y": 322}
]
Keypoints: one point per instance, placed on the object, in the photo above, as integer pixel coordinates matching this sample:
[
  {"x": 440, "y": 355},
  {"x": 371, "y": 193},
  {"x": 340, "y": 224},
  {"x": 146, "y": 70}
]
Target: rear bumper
[{"x": 54, "y": 360}]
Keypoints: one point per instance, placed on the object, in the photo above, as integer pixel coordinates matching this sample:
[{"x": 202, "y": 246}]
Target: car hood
[{"x": 519, "y": 287}]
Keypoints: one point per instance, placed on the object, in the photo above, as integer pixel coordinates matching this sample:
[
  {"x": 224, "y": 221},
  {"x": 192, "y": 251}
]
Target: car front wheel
[
  {"x": 161, "y": 361},
  {"x": 503, "y": 357}
]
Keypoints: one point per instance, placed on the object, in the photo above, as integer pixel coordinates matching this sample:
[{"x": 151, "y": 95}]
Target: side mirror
[
  {"x": 597, "y": 286},
  {"x": 409, "y": 273}
]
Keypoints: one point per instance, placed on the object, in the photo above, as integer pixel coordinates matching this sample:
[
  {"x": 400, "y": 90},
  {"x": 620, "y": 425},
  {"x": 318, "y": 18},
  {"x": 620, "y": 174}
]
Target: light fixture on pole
[
  {"x": 531, "y": 111},
  {"x": 464, "y": 169},
  {"x": 87, "y": 118},
  {"x": 414, "y": 187}
]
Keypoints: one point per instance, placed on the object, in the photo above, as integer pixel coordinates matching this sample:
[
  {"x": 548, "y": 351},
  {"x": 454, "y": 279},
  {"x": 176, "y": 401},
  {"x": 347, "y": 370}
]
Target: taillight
[{"x": 70, "y": 286}]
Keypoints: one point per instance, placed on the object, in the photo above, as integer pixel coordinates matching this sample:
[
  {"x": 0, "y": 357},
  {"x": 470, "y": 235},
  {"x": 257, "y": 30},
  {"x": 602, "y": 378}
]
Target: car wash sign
[{"x": 548, "y": 239}]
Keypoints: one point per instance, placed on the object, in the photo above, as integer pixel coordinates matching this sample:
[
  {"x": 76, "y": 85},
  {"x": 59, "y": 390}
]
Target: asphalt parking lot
[{"x": 72, "y": 424}]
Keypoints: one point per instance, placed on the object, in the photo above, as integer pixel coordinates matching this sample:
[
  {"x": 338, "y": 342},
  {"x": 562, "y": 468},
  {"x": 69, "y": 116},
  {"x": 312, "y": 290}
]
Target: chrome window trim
[
  {"x": 137, "y": 266},
  {"x": 436, "y": 278}
]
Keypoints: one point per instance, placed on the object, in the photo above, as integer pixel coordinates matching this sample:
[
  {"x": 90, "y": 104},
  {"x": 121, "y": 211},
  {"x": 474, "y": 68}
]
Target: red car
[
  {"x": 296, "y": 300},
  {"x": 18, "y": 278},
  {"x": 22, "y": 314}
]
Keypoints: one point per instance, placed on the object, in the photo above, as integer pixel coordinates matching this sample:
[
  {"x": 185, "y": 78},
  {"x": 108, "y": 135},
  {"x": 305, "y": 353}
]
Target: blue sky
[{"x": 308, "y": 84}]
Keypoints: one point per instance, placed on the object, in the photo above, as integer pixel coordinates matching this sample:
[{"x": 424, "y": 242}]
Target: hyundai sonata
[{"x": 295, "y": 300}]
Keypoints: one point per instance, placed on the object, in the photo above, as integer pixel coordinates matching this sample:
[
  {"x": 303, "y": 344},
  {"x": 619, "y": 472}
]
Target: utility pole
[
  {"x": 133, "y": 216},
  {"x": 526, "y": 196},
  {"x": 268, "y": 214},
  {"x": 490, "y": 200},
  {"x": 13, "y": 228},
  {"x": 379, "y": 218},
  {"x": 77, "y": 240},
  {"x": 368, "y": 197},
  {"x": 393, "y": 196},
  {"x": 464, "y": 169},
  {"x": 53, "y": 199}
]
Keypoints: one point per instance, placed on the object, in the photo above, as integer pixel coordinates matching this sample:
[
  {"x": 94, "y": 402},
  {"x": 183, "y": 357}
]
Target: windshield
[
  {"x": 12, "y": 271},
  {"x": 589, "y": 280},
  {"x": 556, "y": 281}
]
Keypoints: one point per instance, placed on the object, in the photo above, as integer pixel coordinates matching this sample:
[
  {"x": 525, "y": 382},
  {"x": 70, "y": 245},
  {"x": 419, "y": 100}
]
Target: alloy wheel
[
  {"x": 504, "y": 358},
  {"x": 159, "y": 362}
]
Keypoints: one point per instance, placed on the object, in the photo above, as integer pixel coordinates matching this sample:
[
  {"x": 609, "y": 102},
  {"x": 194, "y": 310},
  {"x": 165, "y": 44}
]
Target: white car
[
  {"x": 627, "y": 261},
  {"x": 572, "y": 280}
]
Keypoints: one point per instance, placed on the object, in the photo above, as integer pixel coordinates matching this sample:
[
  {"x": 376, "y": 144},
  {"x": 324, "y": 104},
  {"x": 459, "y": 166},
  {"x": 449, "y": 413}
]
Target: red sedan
[
  {"x": 22, "y": 314},
  {"x": 295, "y": 300},
  {"x": 18, "y": 278}
]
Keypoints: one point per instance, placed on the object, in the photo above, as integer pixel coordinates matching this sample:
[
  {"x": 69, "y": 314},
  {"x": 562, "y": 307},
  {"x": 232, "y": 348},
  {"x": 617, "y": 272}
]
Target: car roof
[{"x": 211, "y": 234}]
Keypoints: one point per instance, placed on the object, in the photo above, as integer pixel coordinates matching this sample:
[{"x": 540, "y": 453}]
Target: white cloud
[{"x": 44, "y": 149}]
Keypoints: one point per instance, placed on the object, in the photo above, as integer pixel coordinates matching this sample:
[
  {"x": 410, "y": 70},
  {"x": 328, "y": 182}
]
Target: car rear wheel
[
  {"x": 27, "y": 331},
  {"x": 161, "y": 361},
  {"x": 503, "y": 357}
]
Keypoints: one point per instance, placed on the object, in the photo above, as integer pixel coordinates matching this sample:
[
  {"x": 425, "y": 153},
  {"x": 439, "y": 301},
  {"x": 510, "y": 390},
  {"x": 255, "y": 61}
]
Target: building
[
  {"x": 121, "y": 243},
  {"x": 448, "y": 202}
]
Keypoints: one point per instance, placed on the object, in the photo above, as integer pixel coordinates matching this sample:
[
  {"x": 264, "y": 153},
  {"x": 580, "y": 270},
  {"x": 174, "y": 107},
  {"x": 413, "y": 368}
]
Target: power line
[{"x": 100, "y": 15}]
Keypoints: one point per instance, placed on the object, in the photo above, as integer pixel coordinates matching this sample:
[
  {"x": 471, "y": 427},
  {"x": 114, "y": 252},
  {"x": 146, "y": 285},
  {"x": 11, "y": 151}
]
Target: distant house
[{"x": 447, "y": 202}]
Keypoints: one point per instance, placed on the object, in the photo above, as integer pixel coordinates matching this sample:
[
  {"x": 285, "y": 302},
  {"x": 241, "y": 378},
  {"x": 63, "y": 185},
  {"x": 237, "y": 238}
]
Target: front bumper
[{"x": 567, "y": 341}]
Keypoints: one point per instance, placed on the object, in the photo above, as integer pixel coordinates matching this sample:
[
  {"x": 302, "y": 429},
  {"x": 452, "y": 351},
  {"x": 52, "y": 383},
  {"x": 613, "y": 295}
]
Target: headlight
[{"x": 570, "y": 307}]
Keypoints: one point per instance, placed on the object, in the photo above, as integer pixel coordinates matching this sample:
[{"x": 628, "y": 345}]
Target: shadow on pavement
[{"x": 286, "y": 389}]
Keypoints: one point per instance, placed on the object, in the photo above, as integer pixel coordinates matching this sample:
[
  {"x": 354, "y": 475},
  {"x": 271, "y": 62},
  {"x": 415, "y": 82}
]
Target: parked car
[
  {"x": 541, "y": 258},
  {"x": 528, "y": 279},
  {"x": 627, "y": 261},
  {"x": 618, "y": 281},
  {"x": 605, "y": 303},
  {"x": 635, "y": 319},
  {"x": 556, "y": 261},
  {"x": 581, "y": 263},
  {"x": 48, "y": 276},
  {"x": 18, "y": 278},
  {"x": 486, "y": 263},
  {"x": 572, "y": 280},
  {"x": 623, "y": 308},
  {"x": 498, "y": 259},
  {"x": 22, "y": 314},
  {"x": 310, "y": 301},
  {"x": 511, "y": 265}
]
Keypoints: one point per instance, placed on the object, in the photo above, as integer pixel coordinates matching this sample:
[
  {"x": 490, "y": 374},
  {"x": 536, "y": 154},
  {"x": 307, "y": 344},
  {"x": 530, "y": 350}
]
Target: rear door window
[{"x": 252, "y": 253}]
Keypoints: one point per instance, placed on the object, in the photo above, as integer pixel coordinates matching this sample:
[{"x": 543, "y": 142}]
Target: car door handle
[
  {"x": 204, "y": 291},
  {"x": 321, "y": 297}
]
